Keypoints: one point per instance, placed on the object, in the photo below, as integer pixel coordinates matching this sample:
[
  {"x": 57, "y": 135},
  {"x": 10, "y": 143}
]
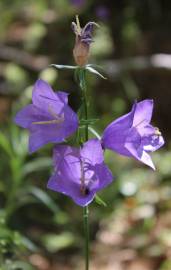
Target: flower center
[{"x": 155, "y": 137}]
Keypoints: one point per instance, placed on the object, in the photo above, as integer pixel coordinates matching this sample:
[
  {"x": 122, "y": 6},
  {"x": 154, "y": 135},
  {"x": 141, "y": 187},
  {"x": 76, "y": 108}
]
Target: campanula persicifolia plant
[{"x": 79, "y": 170}]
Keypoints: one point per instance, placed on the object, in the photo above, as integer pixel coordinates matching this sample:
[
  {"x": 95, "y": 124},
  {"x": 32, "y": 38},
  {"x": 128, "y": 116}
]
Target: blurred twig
[{"x": 23, "y": 58}]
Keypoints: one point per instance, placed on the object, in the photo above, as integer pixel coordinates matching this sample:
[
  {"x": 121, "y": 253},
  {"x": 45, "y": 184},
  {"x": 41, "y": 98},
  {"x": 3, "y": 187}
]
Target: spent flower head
[
  {"x": 83, "y": 40},
  {"x": 132, "y": 135},
  {"x": 48, "y": 118}
]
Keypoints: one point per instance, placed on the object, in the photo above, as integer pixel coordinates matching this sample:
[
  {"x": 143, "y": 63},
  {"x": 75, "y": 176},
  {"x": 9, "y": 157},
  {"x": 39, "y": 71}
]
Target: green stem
[
  {"x": 85, "y": 209},
  {"x": 86, "y": 232},
  {"x": 86, "y": 116}
]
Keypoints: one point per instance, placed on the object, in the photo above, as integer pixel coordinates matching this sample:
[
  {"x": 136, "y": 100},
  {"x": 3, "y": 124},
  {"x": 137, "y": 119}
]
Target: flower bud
[
  {"x": 83, "y": 40},
  {"x": 81, "y": 52}
]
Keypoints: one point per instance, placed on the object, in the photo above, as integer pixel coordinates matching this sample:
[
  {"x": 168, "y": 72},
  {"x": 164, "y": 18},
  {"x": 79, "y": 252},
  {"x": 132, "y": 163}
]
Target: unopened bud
[{"x": 82, "y": 41}]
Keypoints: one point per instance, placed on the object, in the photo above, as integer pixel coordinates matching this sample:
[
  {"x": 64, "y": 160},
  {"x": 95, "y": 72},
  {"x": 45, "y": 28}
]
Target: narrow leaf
[
  {"x": 29, "y": 244},
  {"x": 94, "y": 132},
  {"x": 45, "y": 198},
  {"x": 63, "y": 66},
  {"x": 35, "y": 165},
  {"x": 5, "y": 144},
  {"x": 100, "y": 201}
]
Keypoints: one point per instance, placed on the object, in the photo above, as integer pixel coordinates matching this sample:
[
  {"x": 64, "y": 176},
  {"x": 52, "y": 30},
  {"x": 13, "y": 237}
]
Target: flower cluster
[{"x": 81, "y": 172}]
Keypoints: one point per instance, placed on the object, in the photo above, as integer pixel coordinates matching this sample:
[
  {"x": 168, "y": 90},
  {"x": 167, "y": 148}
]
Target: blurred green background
[{"x": 40, "y": 229}]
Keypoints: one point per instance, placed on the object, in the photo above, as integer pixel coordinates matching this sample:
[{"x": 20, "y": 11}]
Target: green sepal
[
  {"x": 99, "y": 201},
  {"x": 92, "y": 69}
]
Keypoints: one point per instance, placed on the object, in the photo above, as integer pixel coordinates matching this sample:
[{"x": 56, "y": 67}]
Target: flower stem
[
  {"x": 86, "y": 232},
  {"x": 82, "y": 82}
]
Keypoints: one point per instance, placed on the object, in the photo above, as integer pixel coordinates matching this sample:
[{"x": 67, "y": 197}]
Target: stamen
[
  {"x": 58, "y": 118},
  {"x": 55, "y": 121},
  {"x": 157, "y": 132}
]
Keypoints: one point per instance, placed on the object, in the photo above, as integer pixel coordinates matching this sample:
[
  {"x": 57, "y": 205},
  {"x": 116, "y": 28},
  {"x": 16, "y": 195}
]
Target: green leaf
[
  {"x": 36, "y": 165},
  {"x": 94, "y": 71},
  {"x": 45, "y": 198},
  {"x": 5, "y": 144},
  {"x": 94, "y": 132},
  {"x": 100, "y": 201},
  {"x": 63, "y": 66}
]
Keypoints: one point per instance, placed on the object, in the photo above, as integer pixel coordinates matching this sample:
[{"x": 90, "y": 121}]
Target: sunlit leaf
[{"x": 55, "y": 242}]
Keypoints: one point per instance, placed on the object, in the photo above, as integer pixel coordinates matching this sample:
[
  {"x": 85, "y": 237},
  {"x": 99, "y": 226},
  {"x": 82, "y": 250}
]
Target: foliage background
[{"x": 40, "y": 229}]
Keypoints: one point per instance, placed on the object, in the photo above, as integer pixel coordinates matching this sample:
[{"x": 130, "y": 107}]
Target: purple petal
[
  {"x": 69, "y": 188},
  {"x": 140, "y": 154},
  {"x": 92, "y": 152},
  {"x": 71, "y": 164},
  {"x": 115, "y": 134},
  {"x": 45, "y": 99},
  {"x": 105, "y": 177},
  {"x": 63, "y": 96},
  {"x": 66, "y": 159},
  {"x": 54, "y": 133},
  {"x": 43, "y": 134},
  {"x": 70, "y": 123},
  {"x": 143, "y": 112},
  {"x": 152, "y": 142},
  {"x": 27, "y": 116},
  {"x": 88, "y": 29},
  {"x": 145, "y": 130}
]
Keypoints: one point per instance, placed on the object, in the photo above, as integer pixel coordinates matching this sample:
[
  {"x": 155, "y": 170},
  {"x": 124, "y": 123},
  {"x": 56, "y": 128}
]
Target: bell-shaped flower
[
  {"x": 48, "y": 118},
  {"x": 80, "y": 172},
  {"x": 132, "y": 135}
]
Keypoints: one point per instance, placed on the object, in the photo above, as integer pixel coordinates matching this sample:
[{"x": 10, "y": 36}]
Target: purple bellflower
[
  {"x": 80, "y": 173},
  {"x": 83, "y": 40},
  {"x": 49, "y": 118},
  {"x": 132, "y": 135}
]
